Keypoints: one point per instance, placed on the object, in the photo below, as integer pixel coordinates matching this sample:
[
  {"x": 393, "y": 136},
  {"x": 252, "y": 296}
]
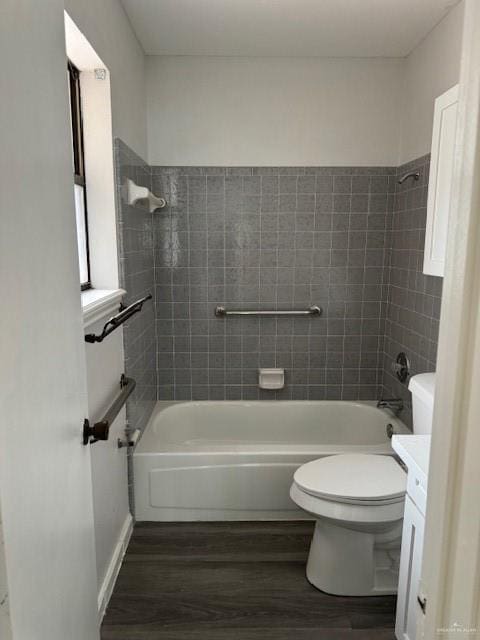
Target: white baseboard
[{"x": 108, "y": 583}]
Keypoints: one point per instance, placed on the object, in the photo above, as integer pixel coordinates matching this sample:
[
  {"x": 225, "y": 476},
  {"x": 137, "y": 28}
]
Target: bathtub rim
[{"x": 144, "y": 448}]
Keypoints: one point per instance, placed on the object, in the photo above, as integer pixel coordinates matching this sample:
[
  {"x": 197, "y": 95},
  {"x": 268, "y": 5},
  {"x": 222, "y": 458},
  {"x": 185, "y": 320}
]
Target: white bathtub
[{"x": 235, "y": 460}]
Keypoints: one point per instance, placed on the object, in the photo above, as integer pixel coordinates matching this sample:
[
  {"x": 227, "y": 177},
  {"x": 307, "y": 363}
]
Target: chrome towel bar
[{"x": 314, "y": 310}]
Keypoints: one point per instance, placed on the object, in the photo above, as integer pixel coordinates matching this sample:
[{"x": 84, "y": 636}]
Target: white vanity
[{"x": 414, "y": 451}]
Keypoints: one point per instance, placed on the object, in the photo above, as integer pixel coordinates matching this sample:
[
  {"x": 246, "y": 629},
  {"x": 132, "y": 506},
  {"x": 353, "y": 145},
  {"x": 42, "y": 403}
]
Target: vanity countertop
[{"x": 414, "y": 451}]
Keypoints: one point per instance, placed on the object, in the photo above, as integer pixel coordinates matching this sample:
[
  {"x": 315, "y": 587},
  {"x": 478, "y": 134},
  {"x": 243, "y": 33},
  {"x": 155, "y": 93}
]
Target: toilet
[{"x": 358, "y": 502}]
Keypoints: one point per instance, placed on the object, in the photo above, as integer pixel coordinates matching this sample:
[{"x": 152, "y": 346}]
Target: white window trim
[
  {"x": 100, "y": 303},
  {"x": 99, "y": 160}
]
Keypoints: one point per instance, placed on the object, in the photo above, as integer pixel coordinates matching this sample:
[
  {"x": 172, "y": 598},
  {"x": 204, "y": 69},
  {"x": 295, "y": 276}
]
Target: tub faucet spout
[{"x": 394, "y": 404}]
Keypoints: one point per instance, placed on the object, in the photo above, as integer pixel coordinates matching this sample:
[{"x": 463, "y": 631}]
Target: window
[{"x": 79, "y": 176}]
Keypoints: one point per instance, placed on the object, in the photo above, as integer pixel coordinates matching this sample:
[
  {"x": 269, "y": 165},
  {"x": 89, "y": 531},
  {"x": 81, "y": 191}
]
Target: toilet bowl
[{"x": 358, "y": 502}]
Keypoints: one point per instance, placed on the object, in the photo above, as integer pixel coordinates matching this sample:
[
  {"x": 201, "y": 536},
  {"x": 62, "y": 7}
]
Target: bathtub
[{"x": 235, "y": 460}]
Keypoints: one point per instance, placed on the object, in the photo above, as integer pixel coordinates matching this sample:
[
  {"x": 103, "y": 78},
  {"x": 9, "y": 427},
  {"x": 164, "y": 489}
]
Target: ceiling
[{"x": 323, "y": 28}]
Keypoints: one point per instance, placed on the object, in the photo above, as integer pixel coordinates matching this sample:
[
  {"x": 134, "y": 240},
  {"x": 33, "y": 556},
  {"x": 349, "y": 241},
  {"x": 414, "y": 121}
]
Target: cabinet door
[
  {"x": 410, "y": 567},
  {"x": 440, "y": 181}
]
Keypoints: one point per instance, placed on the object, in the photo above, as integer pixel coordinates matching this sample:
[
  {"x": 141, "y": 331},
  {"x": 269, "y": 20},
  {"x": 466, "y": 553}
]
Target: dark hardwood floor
[{"x": 232, "y": 581}]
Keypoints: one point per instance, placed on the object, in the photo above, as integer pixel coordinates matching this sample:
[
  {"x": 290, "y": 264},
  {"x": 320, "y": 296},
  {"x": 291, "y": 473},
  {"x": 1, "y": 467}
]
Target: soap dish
[{"x": 271, "y": 379}]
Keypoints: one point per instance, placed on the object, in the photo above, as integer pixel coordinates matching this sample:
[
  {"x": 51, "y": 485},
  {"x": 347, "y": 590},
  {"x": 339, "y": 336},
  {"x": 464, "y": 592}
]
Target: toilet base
[{"x": 348, "y": 562}]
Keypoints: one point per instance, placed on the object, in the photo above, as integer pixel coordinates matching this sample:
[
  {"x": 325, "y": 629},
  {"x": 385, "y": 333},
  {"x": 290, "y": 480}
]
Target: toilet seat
[{"x": 355, "y": 479}]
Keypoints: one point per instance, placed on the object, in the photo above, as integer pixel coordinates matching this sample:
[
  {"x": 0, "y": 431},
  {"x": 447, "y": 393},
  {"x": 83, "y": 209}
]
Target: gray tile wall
[
  {"x": 136, "y": 263},
  {"x": 263, "y": 238},
  {"x": 413, "y": 310},
  {"x": 348, "y": 239}
]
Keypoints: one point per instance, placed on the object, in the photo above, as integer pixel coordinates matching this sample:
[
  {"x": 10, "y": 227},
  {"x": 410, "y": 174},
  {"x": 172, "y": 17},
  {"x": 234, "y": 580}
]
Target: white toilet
[{"x": 358, "y": 502}]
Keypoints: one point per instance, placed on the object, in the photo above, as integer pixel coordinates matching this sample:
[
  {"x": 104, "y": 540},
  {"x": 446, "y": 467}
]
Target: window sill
[{"x": 100, "y": 303}]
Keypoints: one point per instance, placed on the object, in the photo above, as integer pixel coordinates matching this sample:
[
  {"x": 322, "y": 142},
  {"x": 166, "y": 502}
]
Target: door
[
  {"x": 45, "y": 482},
  {"x": 409, "y": 575},
  {"x": 450, "y": 575},
  {"x": 5, "y": 627}
]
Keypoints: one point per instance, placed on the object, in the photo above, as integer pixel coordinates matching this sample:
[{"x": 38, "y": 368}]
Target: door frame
[{"x": 451, "y": 562}]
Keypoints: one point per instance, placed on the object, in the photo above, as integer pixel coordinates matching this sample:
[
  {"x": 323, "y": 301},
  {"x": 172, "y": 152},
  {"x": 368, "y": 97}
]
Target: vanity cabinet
[
  {"x": 414, "y": 451},
  {"x": 440, "y": 181},
  {"x": 408, "y": 606}
]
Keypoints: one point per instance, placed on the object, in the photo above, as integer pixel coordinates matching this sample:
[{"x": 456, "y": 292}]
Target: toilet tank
[{"x": 422, "y": 388}]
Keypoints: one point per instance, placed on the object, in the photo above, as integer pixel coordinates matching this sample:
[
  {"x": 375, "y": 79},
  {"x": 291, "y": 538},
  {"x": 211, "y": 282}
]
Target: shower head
[{"x": 413, "y": 174}]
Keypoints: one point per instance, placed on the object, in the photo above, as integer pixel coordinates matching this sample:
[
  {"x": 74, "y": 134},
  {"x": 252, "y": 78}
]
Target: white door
[
  {"x": 5, "y": 627},
  {"x": 450, "y": 575},
  {"x": 409, "y": 575},
  {"x": 45, "y": 481}
]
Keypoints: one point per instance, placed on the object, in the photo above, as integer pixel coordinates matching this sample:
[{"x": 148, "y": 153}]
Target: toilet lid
[{"x": 353, "y": 478}]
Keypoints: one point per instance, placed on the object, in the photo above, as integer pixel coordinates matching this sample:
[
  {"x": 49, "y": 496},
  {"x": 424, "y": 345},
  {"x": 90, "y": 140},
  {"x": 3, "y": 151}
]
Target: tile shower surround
[
  {"x": 263, "y": 238},
  {"x": 136, "y": 266},
  {"x": 348, "y": 239},
  {"x": 413, "y": 310}
]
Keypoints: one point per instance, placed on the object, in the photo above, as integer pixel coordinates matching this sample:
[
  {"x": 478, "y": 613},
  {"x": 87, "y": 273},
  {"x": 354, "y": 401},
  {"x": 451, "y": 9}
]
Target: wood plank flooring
[{"x": 232, "y": 581}]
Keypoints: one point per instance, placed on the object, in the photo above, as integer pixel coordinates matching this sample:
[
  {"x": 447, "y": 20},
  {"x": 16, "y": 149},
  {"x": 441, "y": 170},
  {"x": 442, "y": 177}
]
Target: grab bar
[
  {"x": 314, "y": 310},
  {"x": 124, "y": 314},
  {"x": 100, "y": 429}
]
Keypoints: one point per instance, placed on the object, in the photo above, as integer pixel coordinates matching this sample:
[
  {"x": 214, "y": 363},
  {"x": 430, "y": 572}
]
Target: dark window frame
[{"x": 78, "y": 152}]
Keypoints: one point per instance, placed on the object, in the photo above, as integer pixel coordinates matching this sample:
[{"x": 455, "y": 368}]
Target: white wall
[
  {"x": 431, "y": 69},
  {"x": 98, "y": 145},
  {"x": 108, "y": 30},
  {"x": 107, "y": 39},
  {"x": 100, "y": 180},
  {"x": 273, "y": 111},
  {"x": 109, "y": 463},
  {"x": 299, "y": 111}
]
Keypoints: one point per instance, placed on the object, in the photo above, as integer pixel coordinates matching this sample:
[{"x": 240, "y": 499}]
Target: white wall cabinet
[
  {"x": 409, "y": 575},
  {"x": 440, "y": 181}
]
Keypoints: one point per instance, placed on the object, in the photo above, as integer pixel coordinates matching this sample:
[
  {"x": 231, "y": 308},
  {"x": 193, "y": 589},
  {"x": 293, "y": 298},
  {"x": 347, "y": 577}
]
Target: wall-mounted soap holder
[
  {"x": 133, "y": 193},
  {"x": 271, "y": 379}
]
